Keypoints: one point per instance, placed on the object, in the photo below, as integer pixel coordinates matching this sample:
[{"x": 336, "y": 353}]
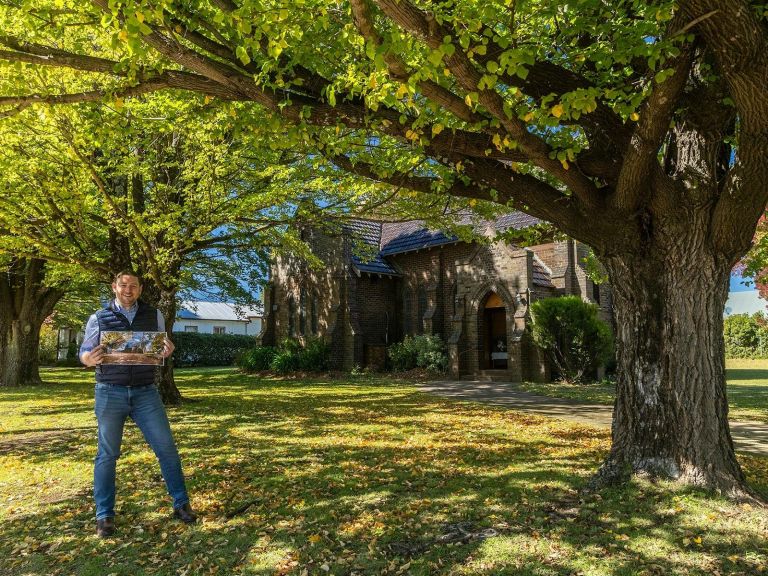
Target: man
[{"x": 123, "y": 391}]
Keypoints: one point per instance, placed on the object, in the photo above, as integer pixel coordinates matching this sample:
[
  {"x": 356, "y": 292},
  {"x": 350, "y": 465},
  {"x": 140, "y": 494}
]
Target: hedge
[
  {"x": 746, "y": 336},
  {"x": 196, "y": 349}
]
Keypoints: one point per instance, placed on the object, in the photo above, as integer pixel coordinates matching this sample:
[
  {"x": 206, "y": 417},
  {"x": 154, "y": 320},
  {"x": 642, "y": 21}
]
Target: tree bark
[
  {"x": 25, "y": 303},
  {"x": 670, "y": 418},
  {"x": 165, "y": 301},
  {"x": 168, "y": 390}
]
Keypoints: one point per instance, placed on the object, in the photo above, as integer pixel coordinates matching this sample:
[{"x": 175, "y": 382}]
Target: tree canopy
[{"x": 636, "y": 127}]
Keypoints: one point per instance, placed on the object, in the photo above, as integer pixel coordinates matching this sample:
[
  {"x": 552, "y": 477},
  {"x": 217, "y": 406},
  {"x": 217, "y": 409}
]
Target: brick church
[{"x": 383, "y": 280}]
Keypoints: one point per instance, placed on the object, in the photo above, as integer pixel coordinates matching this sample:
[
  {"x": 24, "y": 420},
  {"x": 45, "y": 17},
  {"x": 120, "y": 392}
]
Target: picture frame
[{"x": 133, "y": 348}]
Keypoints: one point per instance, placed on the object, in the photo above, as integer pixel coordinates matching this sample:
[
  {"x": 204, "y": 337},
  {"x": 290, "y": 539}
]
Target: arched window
[
  {"x": 314, "y": 316},
  {"x": 422, "y": 310},
  {"x": 303, "y": 311},
  {"x": 407, "y": 312},
  {"x": 291, "y": 317}
]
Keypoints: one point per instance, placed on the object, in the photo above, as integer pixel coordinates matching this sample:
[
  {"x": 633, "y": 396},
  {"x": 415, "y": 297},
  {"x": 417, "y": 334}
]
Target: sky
[{"x": 737, "y": 284}]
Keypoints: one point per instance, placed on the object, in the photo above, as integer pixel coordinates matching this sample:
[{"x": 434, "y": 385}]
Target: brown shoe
[
  {"x": 185, "y": 514},
  {"x": 105, "y": 527}
]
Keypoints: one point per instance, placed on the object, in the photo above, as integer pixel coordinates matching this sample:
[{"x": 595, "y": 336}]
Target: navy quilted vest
[{"x": 111, "y": 319}]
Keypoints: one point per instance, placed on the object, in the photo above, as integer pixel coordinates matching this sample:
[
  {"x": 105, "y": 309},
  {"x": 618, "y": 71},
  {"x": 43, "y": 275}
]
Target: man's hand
[
  {"x": 168, "y": 348},
  {"x": 94, "y": 357}
]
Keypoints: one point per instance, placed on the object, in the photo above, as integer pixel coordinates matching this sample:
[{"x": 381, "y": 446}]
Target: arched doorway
[{"x": 492, "y": 333}]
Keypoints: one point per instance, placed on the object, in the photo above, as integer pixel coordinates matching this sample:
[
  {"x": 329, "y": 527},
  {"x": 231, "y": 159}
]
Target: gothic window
[
  {"x": 407, "y": 311},
  {"x": 454, "y": 298},
  {"x": 596, "y": 293},
  {"x": 314, "y": 316},
  {"x": 291, "y": 316},
  {"x": 422, "y": 308},
  {"x": 303, "y": 311}
]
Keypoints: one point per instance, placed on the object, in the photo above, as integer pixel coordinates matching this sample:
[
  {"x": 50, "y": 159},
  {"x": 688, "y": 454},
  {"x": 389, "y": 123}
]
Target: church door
[{"x": 493, "y": 334}]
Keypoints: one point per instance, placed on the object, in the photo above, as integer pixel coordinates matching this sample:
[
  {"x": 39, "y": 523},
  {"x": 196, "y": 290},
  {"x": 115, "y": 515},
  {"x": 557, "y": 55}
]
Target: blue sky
[{"x": 737, "y": 284}]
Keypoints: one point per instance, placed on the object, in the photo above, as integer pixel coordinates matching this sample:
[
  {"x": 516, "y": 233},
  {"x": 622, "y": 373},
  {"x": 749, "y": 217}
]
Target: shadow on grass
[
  {"x": 746, "y": 374},
  {"x": 372, "y": 478}
]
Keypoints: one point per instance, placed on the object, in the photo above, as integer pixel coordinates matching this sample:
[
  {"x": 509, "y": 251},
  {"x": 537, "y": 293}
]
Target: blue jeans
[{"x": 143, "y": 404}]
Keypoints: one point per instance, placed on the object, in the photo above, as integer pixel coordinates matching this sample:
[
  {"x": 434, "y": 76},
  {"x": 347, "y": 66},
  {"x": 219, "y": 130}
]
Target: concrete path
[{"x": 749, "y": 437}]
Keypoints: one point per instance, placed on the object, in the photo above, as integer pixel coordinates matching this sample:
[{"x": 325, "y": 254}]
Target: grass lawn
[
  {"x": 360, "y": 476},
  {"x": 747, "y": 390}
]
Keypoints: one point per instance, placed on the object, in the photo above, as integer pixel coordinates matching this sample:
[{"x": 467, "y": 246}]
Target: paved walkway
[{"x": 749, "y": 437}]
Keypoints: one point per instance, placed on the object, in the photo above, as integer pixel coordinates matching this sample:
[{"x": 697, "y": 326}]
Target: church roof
[
  {"x": 399, "y": 237},
  {"x": 390, "y": 238},
  {"x": 542, "y": 275},
  {"x": 369, "y": 232}
]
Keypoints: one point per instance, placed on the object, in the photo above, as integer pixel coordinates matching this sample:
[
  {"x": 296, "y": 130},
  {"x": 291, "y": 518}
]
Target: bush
[
  {"x": 290, "y": 356},
  {"x": 746, "y": 336},
  {"x": 316, "y": 356},
  {"x": 196, "y": 349},
  {"x": 48, "y": 353},
  {"x": 257, "y": 359},
  {"x": 569, "y": 331},
  {"x": 422, "y": 351}
]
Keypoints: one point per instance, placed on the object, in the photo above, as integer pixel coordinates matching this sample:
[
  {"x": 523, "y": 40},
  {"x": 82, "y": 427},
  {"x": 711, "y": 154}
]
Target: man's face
[{"x": 127, "y": 290}]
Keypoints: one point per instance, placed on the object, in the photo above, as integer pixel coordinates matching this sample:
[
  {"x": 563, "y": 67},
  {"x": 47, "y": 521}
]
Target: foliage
[
  {"x": 746, "y": 336},
  {"x": 578, "y": 113},
  {"x": 421, "y": 351},
  {"x": 292, "y": 356},
  {"x": 568, "y": 329},
  {"x": 258, "y": 359},
  {"x": 294, "y": 475},
  {"x": 289, "y": 356},
  {"x": 49, "y": 340},
  {"x": 198, "y": 349}
]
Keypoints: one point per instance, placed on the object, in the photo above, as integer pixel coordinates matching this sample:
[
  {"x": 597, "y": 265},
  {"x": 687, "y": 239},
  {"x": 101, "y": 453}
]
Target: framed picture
[{"x": 134, "y": 348}]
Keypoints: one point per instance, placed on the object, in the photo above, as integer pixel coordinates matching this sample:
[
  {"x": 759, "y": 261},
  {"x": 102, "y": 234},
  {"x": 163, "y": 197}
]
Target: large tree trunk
[
  {"x": 670, "y": 418},
  {"x": 165, "y": 301},
  {"x": 25, "y": 303},
  {"x": 168, "y": 390}
]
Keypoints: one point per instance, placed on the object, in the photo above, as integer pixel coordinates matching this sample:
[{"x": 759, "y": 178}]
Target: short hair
[{"x": 128, "y": 273}]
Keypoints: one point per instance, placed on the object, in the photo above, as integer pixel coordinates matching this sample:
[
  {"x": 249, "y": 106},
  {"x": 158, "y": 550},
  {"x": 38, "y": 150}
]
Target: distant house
[
  {"x": 748, "y": 302},
  {"x": 218, "y": 318}
]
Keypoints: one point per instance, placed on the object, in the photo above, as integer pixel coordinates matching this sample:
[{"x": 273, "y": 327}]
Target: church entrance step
[{"x": 489, "y": 376}]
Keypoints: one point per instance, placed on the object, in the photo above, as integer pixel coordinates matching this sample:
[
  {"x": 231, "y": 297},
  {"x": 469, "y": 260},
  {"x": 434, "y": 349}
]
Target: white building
[
  {"x": 218, "y": 318},
  {"x": 747, "y": 302}
]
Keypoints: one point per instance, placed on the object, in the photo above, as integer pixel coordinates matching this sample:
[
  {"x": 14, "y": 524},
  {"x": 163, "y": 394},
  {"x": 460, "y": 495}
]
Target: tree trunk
[
  {"x": 670, "y": 418},
  {"x": 168, "y": 390},
  {"x": 25, "y": 303},
  {"x": 165, "y": 301}
]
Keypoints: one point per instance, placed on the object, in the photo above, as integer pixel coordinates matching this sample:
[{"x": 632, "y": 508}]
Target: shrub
[
  {"x": 284, "y": 362},
  {"x": 423, "y": 351},
  {"x": 403, "y": 355},
  {"x": 290, "y": 356},
  {"x": 569, "y": 331},
  {"x": 316, "y": 356},
  {"x": 257, "y": 359},
  {"x": 48, "y": 353},
  {"x": 746, "y": 336},
  {"x": 196, "y": 349}
]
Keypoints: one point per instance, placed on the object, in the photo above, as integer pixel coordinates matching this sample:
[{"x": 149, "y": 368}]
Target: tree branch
[
  {"x": 425, "y": 26},
  {"x": 641, "y": 154}
]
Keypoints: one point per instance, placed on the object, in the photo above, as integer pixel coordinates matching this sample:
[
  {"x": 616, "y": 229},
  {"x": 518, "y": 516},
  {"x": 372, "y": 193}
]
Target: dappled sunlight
[{"x": 352, "y": 477}]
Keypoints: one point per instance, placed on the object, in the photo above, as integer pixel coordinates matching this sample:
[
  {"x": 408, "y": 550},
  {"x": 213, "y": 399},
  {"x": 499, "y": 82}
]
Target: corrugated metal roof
[{"x": 199, "y": 310}]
